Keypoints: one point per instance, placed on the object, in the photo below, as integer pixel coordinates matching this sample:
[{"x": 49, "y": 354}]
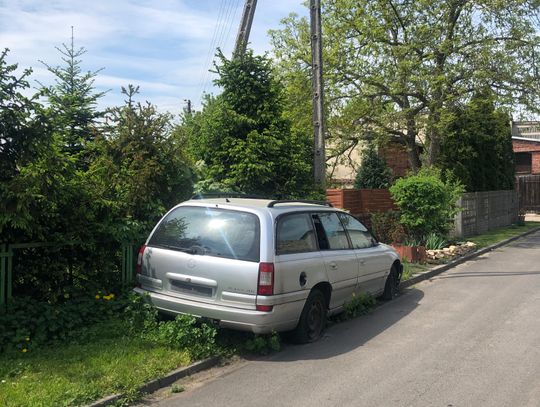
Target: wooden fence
[
  {"x": 482, "y": 211},
  {"x": 528, "y": 187}
]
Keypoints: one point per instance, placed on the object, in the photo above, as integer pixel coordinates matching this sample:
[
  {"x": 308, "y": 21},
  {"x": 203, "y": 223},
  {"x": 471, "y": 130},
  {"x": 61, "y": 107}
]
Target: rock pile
[{"x": 449, "y": 252}]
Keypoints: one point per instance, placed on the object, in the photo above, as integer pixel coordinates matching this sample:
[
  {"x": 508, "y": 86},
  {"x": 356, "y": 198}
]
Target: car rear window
[
  {"x": 210, "y": 231},
  {"x": 295, "y": 234}
]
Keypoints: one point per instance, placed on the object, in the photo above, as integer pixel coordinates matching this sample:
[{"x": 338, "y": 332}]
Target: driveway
[{"x": 469, "y": 337}]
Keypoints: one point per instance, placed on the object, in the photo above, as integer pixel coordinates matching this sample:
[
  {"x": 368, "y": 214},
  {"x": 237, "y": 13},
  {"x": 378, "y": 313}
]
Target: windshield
[{"x": 209, "y": 231}]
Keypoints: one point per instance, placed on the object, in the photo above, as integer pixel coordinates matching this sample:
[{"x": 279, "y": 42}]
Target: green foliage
[
  {"x": 139, "y": 170},
  {"x": 28, "y": 324},
  {"x": 72, "y": 103},
  {"x": 477, "y": 148},
  {"x": 373, "y": 171},
  {"x": 264, "y": 344},
  {"x": 434, "y": 241},
  {"x": 184, "y": 332},
  {"x": 24, "y": 139},
  {"x": 427, "y": 203},
  {"x": 175, "y": 388},
  {"x": 394, "y": 68},
  {"x": 359, "y": 305},
  {"x": 387, "y": 227},
  {"x": 242, "y": 136}
]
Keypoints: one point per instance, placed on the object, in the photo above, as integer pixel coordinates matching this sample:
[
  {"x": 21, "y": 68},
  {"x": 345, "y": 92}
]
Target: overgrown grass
[
  {"x": 412, "y": 268},
  {"x": 498, "y": 235},
  {"x": 75, "y": 374}
]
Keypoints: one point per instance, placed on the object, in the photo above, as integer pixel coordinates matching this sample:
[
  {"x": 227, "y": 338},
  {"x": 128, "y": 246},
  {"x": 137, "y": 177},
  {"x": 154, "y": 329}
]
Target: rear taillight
[
  {"x": 138, "y": 269},
  {"x": 265, "y": 285}
]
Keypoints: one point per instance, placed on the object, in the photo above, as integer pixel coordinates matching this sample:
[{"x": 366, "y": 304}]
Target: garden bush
[
  {"x": 427, "y": 204},
  {"x": 386, "y": 227}
]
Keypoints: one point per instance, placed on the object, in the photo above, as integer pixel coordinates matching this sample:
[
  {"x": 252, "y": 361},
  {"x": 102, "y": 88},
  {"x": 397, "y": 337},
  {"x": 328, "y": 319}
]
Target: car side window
[
  {"x": 360, "y": 236},
  {"x": 295, "y": 234},
  {"x": 335, "y": 233}
]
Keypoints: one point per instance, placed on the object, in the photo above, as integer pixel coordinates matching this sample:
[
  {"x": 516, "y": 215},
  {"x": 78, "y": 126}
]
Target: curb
[
  {"x": 451, "y": 264},
  {"x": 165, "y": 381}
]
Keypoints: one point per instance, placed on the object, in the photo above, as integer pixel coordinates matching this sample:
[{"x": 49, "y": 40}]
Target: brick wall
[
  {"x": 533, "y": 147},
  {"x": 396, "y": 157}
]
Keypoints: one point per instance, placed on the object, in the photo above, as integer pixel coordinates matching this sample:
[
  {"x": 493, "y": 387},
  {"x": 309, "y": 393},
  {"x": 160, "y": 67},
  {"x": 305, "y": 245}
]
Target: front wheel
[
  {"x": 392, "y": 284},
  {"x": 312, "y": 320}
]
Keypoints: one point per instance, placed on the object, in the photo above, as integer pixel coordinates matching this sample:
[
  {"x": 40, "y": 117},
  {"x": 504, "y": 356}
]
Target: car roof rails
[
  {"x": 208, "y": 195},
  {"x": 271, "y": 204}
]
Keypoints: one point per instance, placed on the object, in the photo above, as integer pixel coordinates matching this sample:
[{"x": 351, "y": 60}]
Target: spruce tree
[
  {"x": 243, "y": 137},
  {"x": 73, "y": 102},
  {"x": 373, "y": 171}
]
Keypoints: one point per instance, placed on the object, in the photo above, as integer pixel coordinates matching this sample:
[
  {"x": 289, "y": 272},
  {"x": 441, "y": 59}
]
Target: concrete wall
[{"x": 485, "y": 211}]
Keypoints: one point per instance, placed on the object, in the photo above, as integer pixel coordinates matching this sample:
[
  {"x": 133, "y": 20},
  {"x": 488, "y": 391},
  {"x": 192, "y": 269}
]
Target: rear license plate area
[{"x": 189, "y": 288}]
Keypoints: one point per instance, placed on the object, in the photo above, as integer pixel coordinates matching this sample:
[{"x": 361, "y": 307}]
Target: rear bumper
[{"x": 283, "y": 317}]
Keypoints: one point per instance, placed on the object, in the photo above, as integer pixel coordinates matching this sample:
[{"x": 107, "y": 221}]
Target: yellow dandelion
[
  {"x": 97, "y": 297},
  {"x": 27, "y": 339},
  {"x": 24, "y": 350},
  {"x": 111, "y": 295}
]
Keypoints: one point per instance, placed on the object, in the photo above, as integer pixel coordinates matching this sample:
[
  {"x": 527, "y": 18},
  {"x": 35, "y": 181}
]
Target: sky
[{"x": 166, "y": 47}]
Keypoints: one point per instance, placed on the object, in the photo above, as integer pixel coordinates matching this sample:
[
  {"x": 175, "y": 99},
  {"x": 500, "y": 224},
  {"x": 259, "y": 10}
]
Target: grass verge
[
  {"x": 78, "y": 373},
  {"x": 413, "y": 268},
  {"x": 495, "y": 236}
]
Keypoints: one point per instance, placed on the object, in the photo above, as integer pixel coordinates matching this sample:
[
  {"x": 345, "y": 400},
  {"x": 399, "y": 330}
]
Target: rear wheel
[
  {"x": 312, "y": 320},
  {"x": 392, "y": 284}
]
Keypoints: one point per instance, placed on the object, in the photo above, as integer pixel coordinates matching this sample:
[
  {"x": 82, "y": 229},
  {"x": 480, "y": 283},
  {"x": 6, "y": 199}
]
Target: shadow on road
[
  {"x": 488, "y": 274},
  {"x": 342, "y": 337}
]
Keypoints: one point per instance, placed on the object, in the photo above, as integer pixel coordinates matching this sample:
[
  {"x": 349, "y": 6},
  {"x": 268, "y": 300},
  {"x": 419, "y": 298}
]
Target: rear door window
[
  {"x": 295, "y": 234},
  {"x": 360, "y": 236},
  {"x": 335, "y": 233},
  {"x": 210, "y": 231}
]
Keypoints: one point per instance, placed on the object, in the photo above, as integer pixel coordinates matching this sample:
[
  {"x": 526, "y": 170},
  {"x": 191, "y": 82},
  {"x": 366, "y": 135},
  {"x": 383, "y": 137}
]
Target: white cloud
[{"x": 162, "y": 46}]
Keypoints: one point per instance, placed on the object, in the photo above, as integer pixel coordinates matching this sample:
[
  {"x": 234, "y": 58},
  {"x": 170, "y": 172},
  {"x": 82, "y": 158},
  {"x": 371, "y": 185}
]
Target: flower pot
[{"x": 413, "y": 254}]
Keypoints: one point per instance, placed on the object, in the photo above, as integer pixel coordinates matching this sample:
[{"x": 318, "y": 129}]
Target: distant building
[
  {"x": 343, "y": 172},
  {"x": 526, "y": 146}
]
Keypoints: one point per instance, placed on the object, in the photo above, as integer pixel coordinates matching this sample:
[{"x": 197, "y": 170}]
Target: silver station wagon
[{"x": 262, "y": 265}]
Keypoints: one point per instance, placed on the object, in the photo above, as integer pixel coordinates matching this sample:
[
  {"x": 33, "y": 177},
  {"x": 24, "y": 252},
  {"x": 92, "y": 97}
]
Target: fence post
[
  {"x": 124, "y": 262},
  {"x": 3, "y": 255},
  {"x": 458, "y": 220},
  {"x": 9, "y": 273}
]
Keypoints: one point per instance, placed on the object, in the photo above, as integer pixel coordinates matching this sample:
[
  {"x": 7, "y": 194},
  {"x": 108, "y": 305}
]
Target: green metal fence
[{"x": 7, "y": 252}]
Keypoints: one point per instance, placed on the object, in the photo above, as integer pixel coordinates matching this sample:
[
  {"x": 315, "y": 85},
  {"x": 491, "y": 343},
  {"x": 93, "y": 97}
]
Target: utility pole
[
  {"x": 245, "y": 28},
  {"x": 187, "y": 109},
  {"x": 319, "y": 161}
]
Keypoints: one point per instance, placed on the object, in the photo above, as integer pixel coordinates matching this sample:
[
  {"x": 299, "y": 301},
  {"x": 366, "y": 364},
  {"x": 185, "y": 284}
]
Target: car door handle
[{"x": 333, "y": 265}]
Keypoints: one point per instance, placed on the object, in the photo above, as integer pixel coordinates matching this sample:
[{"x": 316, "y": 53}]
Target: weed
[
  {"x": 264, "y": 344},
  {"x": 359, "y": 305},
  {"x": 175, "y": 388}
]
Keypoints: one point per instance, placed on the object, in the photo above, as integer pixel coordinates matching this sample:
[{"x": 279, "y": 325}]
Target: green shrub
[
  {"x": 28, "y": 324},
  {"x": 186, "y": 332},
  {"x": 427, "y": 204},
  {"x": 386, "y": 227},
  {"x": 373, "y": 171}
]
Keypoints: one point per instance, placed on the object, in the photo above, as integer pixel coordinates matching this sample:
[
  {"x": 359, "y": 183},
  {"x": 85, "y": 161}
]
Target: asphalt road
[{"x": 469, "y": 337}]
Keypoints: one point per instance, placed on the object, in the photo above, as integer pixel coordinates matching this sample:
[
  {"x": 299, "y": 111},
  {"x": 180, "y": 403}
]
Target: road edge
[
  {"x": 156, "y": 384},
  {"x": 417, "y": 278}
]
